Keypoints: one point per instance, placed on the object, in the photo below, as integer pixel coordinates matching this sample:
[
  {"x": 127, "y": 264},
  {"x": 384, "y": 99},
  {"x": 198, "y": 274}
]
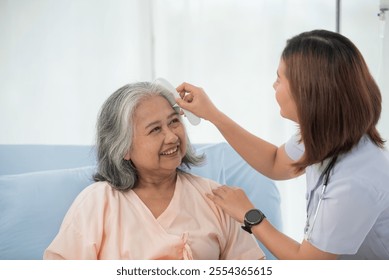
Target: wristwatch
[{"x": 253, "y": 217}]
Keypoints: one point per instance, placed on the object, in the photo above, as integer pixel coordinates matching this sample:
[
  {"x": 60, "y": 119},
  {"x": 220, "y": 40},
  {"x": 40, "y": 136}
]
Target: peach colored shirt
[{"x": 104, "y": 223}]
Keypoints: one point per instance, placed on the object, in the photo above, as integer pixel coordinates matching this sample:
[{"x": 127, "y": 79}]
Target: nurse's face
[
  {"x": 284, "y": 98},
  {"x": 159, "y": 141}
]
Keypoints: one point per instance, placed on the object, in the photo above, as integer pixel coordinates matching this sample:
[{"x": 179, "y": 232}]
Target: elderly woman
[{"x": 142, "y": 205}]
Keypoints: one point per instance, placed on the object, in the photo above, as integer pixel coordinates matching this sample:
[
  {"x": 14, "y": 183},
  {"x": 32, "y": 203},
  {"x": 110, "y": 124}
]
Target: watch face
[{"x": 253, "y": 216}]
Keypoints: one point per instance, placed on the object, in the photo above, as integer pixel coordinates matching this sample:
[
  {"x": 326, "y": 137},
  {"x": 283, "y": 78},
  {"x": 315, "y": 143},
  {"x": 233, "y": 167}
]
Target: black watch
[{"x": 253, "y": 217}]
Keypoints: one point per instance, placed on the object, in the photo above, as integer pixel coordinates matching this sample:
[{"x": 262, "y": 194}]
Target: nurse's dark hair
[
  {"x": 337, "y": 99},
  {"x": 114, "y": 134}
]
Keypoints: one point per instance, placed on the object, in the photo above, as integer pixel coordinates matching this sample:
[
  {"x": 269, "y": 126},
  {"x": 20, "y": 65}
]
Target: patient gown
[{"x": 104, "y": 223}]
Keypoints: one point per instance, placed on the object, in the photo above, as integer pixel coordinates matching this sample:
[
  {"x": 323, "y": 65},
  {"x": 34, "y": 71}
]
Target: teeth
[{"x": 169, "y": 152}]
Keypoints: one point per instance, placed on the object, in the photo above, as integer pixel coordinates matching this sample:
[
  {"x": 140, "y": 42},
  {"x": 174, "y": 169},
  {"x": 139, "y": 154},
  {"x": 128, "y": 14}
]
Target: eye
[
  {"x": 175, "y": 121},
  {"x": 155, "y": 129}
]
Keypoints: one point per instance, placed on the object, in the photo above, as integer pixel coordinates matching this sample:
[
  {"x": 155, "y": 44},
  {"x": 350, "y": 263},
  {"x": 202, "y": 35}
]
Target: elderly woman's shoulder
[
  {"x": 199, "y": 182},
  {"x": 96, "y": 191}
]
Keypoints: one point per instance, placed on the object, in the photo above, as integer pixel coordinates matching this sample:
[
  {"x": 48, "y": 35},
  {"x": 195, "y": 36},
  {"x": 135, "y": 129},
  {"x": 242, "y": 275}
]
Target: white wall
[{"x": 59, "y": 60}]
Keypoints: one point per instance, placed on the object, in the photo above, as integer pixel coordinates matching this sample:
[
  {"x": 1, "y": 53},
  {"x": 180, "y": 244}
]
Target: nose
[
  {"x": 170, "y": 136},
  {"x": 274, "y": 85}
]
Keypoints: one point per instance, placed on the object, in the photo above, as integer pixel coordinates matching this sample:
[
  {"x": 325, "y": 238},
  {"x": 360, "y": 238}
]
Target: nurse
[{"x": 324, "y": 85}]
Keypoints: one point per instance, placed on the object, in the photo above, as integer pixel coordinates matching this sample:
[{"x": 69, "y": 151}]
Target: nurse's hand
[
  {"x": 195, "y": 100},
  {"x": 232, "y": 200}
]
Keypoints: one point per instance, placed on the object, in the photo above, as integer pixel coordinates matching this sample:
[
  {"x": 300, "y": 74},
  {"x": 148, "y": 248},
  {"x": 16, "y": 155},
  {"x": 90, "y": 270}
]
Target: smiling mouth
[{"x": 170, "y": 152}]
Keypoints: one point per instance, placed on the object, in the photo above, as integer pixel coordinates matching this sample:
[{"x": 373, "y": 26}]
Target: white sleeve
[{"x": 293, "y": 148}]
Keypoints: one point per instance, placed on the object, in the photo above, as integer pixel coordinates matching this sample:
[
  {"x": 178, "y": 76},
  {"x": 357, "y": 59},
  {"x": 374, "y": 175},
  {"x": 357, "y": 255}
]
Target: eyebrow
[{"x": 158, "y": 122}]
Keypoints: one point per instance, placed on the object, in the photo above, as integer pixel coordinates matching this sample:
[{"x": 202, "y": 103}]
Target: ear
[{"x": 127, "y": 156}]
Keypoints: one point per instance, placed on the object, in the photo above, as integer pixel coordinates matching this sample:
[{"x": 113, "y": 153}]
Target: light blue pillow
[
  {"x": 32, "y": 207},
  {"x": 18, "y": 159}
]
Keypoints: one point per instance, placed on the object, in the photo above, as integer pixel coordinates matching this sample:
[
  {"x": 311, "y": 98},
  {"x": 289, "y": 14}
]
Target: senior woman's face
[{"x": 159, "y": 140}]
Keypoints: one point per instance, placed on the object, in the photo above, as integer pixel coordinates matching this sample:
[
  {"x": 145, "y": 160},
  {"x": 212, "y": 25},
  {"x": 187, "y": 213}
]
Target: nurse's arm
[
  {"x": 270, "y": 160},
  {"x": 235, "y": 203},
  {"x": 265, "y": 157},
  {"x": 284, "y": 247}
]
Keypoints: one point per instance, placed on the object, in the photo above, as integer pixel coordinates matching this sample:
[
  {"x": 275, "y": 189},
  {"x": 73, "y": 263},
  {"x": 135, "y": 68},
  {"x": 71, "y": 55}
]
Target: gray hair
[{"x": 115, "y": 134}]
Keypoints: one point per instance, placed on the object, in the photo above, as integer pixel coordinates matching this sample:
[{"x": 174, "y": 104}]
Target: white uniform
[{"x": 353, "y": 218}]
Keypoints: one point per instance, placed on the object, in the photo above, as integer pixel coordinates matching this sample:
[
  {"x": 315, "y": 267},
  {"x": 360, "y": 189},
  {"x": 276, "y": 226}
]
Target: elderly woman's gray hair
[{"x": 115, "y": 133}]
